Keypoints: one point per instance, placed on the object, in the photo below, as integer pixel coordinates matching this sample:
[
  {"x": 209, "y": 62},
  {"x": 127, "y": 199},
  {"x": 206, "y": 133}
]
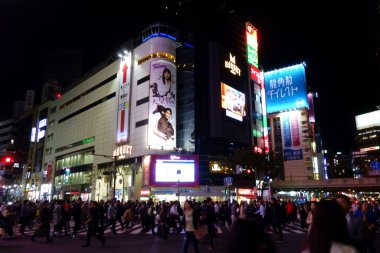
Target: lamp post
[
  {"x": 178, "y": 175},
  {"x": 114, "y": 158}
]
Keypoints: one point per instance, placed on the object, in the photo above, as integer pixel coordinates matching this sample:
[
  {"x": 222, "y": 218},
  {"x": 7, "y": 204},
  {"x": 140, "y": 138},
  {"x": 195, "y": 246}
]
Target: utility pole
[{"x": 114, "y": 176}]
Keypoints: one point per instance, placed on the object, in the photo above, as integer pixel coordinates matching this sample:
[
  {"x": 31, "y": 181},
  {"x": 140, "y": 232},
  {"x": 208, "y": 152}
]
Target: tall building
[
  {"x": 291, "y": 123},
  {"x": 366, "y": 158},
  {"x": 153, "y": 120},
  {"x": 14, "y": 146}
]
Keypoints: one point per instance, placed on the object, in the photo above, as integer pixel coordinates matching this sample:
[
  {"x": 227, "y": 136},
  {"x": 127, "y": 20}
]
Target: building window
[
  {"x": 48, "y": 151},
  {"x": 50, "y": 137}
]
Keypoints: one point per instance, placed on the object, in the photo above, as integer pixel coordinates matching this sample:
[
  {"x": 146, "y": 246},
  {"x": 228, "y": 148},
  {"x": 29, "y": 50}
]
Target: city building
[
  {"x": 14, "y": 143},
  {"x": 178, "y": 98},
  {"x": 366, "y": 159},
  {"x": 291, "y": 121}
]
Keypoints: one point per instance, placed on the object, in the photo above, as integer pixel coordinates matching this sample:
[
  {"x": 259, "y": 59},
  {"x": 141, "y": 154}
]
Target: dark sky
[{"x": 336, "y": 40}]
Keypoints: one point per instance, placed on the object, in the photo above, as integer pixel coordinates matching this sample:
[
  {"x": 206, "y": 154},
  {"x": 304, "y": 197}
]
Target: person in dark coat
[
  {"x": 248, "y": 237},
  {"x": 276, "y": 217},
  {"x": 93, "y": 224},
  {"x": 210, "y": 223},
  {"x": 44, "y": 228},
  {"x": 77, "y": 216}
]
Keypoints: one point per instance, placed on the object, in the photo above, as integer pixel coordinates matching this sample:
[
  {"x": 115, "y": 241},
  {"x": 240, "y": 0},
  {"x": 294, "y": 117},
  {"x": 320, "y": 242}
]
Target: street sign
[{"x": 228, "y": 181}]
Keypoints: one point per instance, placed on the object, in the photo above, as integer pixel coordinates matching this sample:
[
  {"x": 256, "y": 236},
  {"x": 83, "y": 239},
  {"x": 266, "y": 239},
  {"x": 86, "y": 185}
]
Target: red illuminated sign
[
  {"x": 255, "y": 74},
  {"x": 145, "y": 192}
]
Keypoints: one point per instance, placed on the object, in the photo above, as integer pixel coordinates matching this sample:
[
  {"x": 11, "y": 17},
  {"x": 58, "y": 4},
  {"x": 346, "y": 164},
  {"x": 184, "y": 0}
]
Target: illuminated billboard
[
  {"x": 286, "y": 89},
  {"x": 255, "y": 74},
  {"x": 367, "y": 120},
  {"x": 123, "y": 94},
  {"x": 291, "y": 135},
  {"x": 233, "y": 101},
  {"x": 252, "y": 45},
  {"x": 171, "y": 170},
  {"x": 162, "y": 105},
  {"x": 310, "y": 98}
]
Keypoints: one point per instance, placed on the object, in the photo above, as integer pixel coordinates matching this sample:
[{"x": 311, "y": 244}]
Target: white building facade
[{"x": 107, "y": 118}]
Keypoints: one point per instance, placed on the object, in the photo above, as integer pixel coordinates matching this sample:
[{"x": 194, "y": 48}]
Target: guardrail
[{"x": 338, "y": 183}]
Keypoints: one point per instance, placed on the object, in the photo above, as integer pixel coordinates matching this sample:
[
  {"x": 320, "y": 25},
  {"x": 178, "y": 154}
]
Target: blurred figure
[
  {"x": 370, "y": 222},
  {"x": 329, "y": 230},
  {"x": 7, "y": 221},
  {"x": 355, "y": 225},
  {"x": 77, "y": 215},
  {"x": 302, "y": 211},
  {"x": 276, "y": 218},
  {"x": 249, "y": 237},
  {"x": 310, "y": 213},
  {"x": 190, "y": 220},
  {"x": 210, "y": 221},
  {"x": 57, "y": 218},
  {"x": 93, "y": 224},
  {"x": 24, "y": 216},
  {"x": 44, "y": 228},
  {"x": 162, "y": 222}
]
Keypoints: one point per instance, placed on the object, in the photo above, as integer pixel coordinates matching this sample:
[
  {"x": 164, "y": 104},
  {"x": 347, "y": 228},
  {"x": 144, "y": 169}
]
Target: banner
[
  {"x": 123, "y": 99},
  {"x": 162, "y": 105},
  {"x": 291, "y": 136}
]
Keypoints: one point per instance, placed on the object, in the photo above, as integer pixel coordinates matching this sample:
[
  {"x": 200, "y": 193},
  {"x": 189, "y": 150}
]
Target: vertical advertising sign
[
  {"x": 255, "y": 74},
  {"x": 311, "y": 105},
  {"x": 291, "y": 136},
  {"x": 49, "y": 172},
  {"x": 265, "y": 119},
  {"x": 146, "y": 170},
  {"x": 123, "y": 93},
  {"x": 252, "y": 45},
  {"x": 286, "y": 89},
  {"x": 162, "y": 105}
]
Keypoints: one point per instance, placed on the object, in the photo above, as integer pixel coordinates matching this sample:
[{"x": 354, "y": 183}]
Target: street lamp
[
  {"x": 114, "y": 158},
  {"x": 178, "y": 175}
]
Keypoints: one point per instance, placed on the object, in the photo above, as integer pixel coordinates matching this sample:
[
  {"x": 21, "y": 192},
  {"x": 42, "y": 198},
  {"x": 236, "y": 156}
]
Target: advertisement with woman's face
[
  {"x": 233, "y": 101},
  {"x": 162, "y": 105}
]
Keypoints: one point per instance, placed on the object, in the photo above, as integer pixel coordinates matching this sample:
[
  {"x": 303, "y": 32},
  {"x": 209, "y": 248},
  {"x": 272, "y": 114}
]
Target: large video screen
[
  {"x": 233, "y": 101},
  {"x": 169, "y": 170}
]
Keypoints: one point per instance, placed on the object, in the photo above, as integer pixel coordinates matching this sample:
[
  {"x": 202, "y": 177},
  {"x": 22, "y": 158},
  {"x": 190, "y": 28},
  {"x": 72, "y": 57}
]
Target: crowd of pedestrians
[{"x": 335, "y": 223}]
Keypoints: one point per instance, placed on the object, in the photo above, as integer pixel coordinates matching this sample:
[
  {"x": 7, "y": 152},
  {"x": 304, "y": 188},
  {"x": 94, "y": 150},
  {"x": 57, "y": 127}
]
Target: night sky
[{"x": 336, "y": 40}]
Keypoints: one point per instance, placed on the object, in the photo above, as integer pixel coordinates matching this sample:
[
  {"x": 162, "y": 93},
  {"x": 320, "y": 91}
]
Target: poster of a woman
[{"x": 162, "y": 105}]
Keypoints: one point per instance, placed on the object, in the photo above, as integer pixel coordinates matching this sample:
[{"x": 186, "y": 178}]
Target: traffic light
[{"x": 7, "y": 160}]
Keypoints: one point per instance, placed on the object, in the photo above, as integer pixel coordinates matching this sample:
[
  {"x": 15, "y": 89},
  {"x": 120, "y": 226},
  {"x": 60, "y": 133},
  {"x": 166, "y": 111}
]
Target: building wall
[
  {"x": 68, "y": 125},
  {"x": 293, "y": 169},
  {"x": 98, "y": 121},
  {"x": 140, "y": 91}
]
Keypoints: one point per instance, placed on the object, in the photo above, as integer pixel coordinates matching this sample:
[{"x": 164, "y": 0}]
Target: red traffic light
[{"x": 8, "y": 160}]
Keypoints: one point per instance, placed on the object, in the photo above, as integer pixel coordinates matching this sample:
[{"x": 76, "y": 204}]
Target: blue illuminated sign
[
  {"x": 285, "y": 89},
  {"x": 375, "y": 165}
]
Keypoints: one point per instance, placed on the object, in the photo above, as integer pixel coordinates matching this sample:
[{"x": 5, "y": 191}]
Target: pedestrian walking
[
  {"x": 93, "y": 225},
  {"x": 190, "y": 221},
  {"x": 44, "y": 228},
  {"x": 329, "y": 231}
]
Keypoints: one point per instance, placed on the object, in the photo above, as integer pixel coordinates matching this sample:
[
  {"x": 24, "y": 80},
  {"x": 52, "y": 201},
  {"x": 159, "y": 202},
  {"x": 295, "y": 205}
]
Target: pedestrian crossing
[{"x": 137, "y": 229}]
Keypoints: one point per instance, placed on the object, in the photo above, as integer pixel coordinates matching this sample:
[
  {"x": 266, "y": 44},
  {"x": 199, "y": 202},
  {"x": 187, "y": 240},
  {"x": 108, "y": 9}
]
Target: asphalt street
[{"x": 139, "y": 243}]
